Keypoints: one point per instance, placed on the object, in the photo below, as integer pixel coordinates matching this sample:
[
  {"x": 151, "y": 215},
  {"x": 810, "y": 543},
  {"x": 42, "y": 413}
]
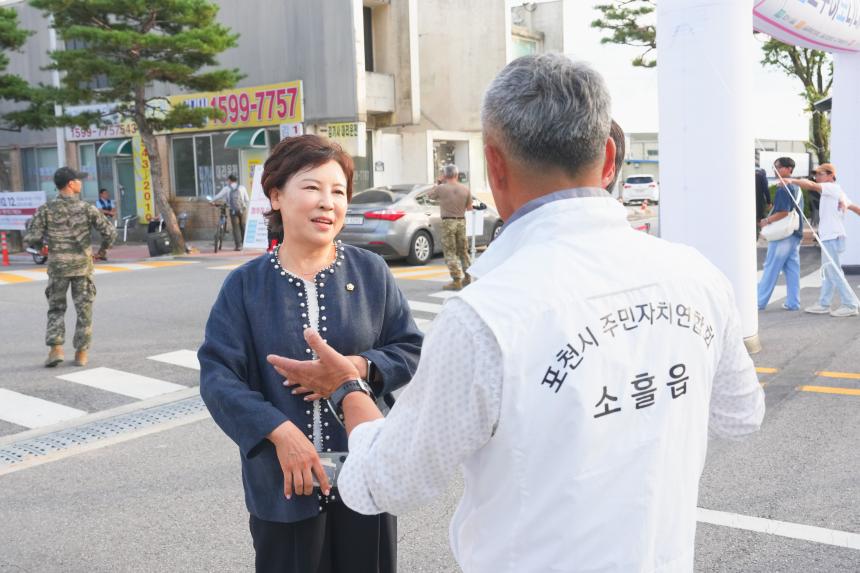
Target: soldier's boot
[
  {"x": 81, "y": 358},
  {"x": 456, "y": 284},
  {"x": 467, "y": 280},
  {"x": 55, "y": 356}
]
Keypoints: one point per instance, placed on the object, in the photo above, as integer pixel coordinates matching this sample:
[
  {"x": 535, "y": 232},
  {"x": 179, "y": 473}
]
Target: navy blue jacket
[{"x": 259, "y": 312}]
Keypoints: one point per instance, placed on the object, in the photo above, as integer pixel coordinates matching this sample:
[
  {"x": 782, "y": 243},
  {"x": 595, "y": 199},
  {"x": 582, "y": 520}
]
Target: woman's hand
[
  {"x": 299, "y": 461},
  {"x": 318, "y": 377}
]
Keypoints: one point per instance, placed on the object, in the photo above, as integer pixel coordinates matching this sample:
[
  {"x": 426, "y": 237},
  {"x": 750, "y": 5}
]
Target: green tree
[
  {"x": 625, "y": 21},
  {"x": 130, "y": 45}
]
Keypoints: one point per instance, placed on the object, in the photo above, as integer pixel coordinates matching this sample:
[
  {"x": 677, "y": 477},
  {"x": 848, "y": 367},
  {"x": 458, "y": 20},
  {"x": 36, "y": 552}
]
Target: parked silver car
[{"x": 401, "y": 221}]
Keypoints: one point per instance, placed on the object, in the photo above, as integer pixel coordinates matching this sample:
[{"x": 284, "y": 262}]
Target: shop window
[
  {"x": 38, "y": 165},
  {"x": 367, "y": 16},
  {"x": 201, "y": 164},
  {"x": 184, "y": 179},
  {"x": 90, "y": 188},
  {"x": 225, "y": 161}
]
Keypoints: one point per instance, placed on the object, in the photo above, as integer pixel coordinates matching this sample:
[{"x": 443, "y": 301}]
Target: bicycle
[{"x": 221, "y": 230}]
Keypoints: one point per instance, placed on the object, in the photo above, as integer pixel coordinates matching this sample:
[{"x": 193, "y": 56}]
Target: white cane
[{"x": 824, "y": 251}]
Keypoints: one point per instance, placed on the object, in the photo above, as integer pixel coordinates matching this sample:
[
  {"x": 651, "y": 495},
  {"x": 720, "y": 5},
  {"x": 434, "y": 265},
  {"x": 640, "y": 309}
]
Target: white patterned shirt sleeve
[
  {"x": 737, "y": 399},
  {"x": 448, "y": 411}
]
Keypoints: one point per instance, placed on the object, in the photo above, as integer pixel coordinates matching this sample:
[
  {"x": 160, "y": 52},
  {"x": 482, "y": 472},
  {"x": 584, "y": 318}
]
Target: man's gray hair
[
  {"x": 549, "y": 111},
  {"x": 450, "y": 171}
]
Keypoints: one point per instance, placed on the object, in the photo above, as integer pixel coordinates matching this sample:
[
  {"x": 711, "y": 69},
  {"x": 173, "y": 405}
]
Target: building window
[
  {"x": 38, "y": 166},
  {"x": 368, "y": 39},
  {"x": 652, "y": 152},
  {"x": 99, "y": 81},
  {"x": 201, "y": 164}
]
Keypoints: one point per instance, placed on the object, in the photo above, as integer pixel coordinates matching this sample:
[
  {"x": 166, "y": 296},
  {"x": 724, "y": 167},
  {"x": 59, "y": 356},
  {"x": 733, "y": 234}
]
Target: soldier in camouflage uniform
[
  {"x": 454, "y": 200},
  {"x": 65, "y": 223}
]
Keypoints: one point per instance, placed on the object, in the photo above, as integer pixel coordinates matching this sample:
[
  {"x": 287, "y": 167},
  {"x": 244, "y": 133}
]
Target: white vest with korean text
[{"x": 609, "y": 339}]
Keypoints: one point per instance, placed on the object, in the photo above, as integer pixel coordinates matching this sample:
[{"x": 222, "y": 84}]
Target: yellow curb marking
[
  {"x": 831, "y": 390},
  {"x": 846, "y": 375},
  {"x": 762, "y": 370},
  {"x": 419, "y": 276},
  {"x": 111, "y": 268},
  {"x": 10, "y": 278}
]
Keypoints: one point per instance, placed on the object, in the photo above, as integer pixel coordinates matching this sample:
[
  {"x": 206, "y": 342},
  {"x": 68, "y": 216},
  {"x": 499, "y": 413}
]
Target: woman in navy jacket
[{"x": 351, "y": 298}]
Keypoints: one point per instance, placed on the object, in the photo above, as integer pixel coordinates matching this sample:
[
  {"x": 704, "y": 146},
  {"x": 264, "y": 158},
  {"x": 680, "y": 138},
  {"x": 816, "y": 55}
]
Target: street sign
[{"x": 17, "y": 208}]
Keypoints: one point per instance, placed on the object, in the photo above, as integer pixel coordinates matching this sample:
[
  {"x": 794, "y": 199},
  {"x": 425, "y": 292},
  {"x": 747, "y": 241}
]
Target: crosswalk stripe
[
  {"x": 119, "y": 382},
  {"x": 160, "y": 264},
  {"x": 813, "y": 279},
  {"x": 423, "y": 324},
  {"x": 40, "y": 274},
  {"x": 184, "y": 358},
  {"x": 224, "y": 267},
  {"x": 445, "y": 294},
  {"x": 425, "y": 306},
  {"x": 32, "y": 412},
  {"x": 419, "y": 271}
]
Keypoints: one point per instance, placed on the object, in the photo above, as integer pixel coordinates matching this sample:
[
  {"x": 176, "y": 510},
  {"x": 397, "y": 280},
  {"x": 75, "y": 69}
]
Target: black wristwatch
[{"x": 336, "y": 399}]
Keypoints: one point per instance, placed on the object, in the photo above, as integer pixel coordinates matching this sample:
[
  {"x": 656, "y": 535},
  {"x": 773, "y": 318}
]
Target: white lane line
[
  {"x": 425, "y": 306},
  {"x": 811, "y": 280},
  {"x": 224, "y": 267},
  {"x": 184, "y": 358},
  {"x": 781, "y": 528},
  {"x": 445, "y": 294},
  {"x": 119, "y": 382},
  {"x": 32, "y": 412}
]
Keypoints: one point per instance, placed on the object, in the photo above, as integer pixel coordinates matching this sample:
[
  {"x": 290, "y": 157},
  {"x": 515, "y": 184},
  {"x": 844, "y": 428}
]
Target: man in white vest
[{"x": 576, "y": 382}]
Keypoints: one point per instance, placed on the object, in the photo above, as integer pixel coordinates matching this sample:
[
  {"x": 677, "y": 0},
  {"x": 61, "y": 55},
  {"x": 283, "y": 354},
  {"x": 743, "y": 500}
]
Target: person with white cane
[{"x": 831, "y": 231}]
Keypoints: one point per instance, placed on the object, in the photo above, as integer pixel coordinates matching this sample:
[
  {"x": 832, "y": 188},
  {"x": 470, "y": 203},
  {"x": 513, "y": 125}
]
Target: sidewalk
[{"x": 137, "y": 251}]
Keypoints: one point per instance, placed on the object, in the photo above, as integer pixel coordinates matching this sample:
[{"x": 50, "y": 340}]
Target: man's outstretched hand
[{"x": 320, "y": 377}]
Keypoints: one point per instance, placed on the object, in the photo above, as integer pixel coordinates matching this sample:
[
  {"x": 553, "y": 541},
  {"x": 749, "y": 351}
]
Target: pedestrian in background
[
  {"x": 454, "y": 200},
  {"x": 576, "y": 382},
  {"x": 831, "y": 231},
  {"x": 237, "y": 200},
  {"x": 762, "y": 196},
  {"x": 783, "y": 256},
  {"x": 66, "y": 222},
  {"x": 349, "y": 295},
  {"x": 106, "y": 205}
]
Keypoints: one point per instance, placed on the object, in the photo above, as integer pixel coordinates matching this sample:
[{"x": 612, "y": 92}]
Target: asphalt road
[{"x": 171, "y": 500}]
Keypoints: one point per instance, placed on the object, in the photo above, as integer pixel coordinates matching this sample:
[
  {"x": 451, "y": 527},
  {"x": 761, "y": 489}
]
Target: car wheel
[
  {"x": 420, "y": 248},
  {"x": 497, "y": 228}
]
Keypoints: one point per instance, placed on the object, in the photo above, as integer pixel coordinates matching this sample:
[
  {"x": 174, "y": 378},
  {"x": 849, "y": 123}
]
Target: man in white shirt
[
  {"x": 576, "y": 382},
  {"x": 831, "y": 231},
  {"x": 237, "y": 200}
]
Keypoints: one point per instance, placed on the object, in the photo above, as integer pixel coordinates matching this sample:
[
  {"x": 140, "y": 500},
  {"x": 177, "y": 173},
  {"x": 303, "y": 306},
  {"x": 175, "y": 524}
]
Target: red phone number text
[
  {"x": 264, "y": 105},
  {"x": 107, "y": 131}
]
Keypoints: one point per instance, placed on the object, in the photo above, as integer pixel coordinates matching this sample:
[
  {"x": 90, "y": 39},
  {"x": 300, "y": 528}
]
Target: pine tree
[{"x": 131, "y": 45}]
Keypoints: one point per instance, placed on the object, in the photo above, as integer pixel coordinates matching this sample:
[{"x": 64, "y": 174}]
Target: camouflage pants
[
  {"x": 455, "y": 247},
  {"x": 83, "y": 294}
]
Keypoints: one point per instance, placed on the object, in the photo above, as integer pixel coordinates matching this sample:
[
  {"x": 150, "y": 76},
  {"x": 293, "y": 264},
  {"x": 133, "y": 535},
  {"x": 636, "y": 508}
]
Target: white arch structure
[{"x": 705, "y": 86}]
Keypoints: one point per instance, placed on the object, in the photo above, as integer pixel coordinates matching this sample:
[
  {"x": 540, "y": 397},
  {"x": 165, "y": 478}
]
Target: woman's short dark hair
[{"x": 295, "y": 154}]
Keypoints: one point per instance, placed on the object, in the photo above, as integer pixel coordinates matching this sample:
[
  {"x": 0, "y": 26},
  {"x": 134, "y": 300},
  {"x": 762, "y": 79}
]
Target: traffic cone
[{"x": 5, "y": 248}]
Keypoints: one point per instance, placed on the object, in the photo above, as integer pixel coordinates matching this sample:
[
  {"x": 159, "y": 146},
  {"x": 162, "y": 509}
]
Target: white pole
[
  {"x": 705, "y": 86},
  {"x": 58, "y": 110},
  {"x": 845, "y": 147}
]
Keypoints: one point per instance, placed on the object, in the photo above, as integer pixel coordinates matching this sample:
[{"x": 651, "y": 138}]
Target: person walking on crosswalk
[
  {"x": 65, "y": 222},
  {"x": 454, "y": 200}
]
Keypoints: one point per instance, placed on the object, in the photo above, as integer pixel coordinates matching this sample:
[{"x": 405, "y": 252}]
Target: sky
[{"x": 777, "y": 105}]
